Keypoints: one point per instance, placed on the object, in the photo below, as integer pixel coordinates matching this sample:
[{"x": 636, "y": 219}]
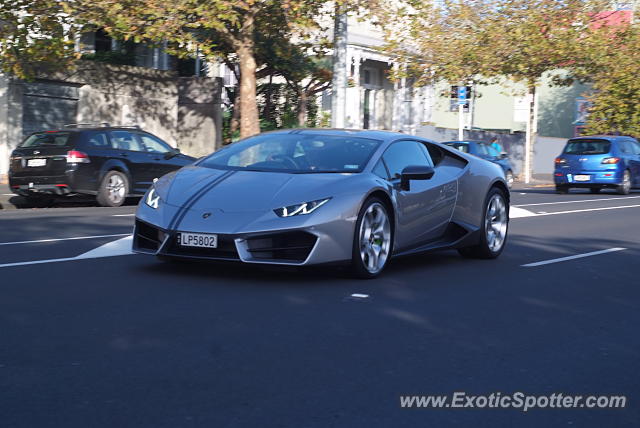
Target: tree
[
  {"x": 216, "y": 27},
  {"x": 611, "y": 60},
  {"x": 492, "y": 40},
  {"x": 35, "y": 36}
]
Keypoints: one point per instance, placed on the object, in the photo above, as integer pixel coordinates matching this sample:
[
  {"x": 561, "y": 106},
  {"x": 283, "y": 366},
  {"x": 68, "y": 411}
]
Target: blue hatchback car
[
  {"x": 485, "y": 151},
  {"x": 598, "y": 162}
]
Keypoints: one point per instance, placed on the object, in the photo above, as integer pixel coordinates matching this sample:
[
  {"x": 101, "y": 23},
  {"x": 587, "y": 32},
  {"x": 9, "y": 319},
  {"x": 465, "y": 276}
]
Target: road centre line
[
  {"x": 577, "y": 201},
  {"x": 577, "y": 256},
  {"x": 64, "y": 239}
]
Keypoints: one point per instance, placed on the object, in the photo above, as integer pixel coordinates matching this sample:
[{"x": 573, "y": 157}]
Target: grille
[
  {"x": 148, "y": 238},
  {"x": 290, "y": 246}
]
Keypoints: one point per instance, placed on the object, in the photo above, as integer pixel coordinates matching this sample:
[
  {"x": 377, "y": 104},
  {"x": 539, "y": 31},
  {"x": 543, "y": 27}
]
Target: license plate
[
  {"x": 36, "y": 162},
  {"x": 197, "y": 240},
  {"x": 582, "y": 177}
]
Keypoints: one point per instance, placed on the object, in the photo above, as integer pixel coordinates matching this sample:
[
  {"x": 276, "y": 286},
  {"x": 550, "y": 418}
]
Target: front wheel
[
  {"x": 373, "y": 239},
  {"x": 509, "y": 178},
  {"x": 493, "y": 233},
  {"x": 113, "y": 189},
  {"x": 625, "y": 187}
]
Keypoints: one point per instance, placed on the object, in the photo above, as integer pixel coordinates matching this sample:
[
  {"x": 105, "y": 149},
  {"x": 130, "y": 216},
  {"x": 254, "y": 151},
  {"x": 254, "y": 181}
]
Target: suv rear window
[
  {"x": 587, "y": 147},
  {"x": 58, "y": 139}
]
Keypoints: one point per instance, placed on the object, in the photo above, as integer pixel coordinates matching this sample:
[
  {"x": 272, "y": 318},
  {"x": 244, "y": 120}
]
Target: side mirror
[
  {"x": 503, "y": 155},
  {"x": 415, "y": 172}
]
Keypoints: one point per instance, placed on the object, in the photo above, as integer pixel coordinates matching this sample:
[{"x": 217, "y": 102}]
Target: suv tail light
[
  {"x": 74, "y": 156},
  {"x": 560, "y": 161},
  {"x": 610, "y": 160}
]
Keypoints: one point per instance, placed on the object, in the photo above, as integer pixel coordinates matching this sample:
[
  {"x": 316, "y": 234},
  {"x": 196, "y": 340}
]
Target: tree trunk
[
  {"x": 249, "y": 122},
  {"x": 302, "y": 108},
  {"x": 530, "y": 134},
  {"x": 235, "y": 117}
]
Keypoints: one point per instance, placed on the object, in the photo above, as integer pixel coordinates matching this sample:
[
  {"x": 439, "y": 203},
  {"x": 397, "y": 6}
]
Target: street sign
[{"x": 462, "y": 95}]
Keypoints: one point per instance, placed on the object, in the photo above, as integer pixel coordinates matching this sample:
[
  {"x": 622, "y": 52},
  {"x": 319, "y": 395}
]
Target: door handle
[{"x": 124, "y": 154}]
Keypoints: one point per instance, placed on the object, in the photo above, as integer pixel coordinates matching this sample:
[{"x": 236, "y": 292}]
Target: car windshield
[
  {"x": 58, "y": 139},
  {"x": 463, "y": 147},
  {"x": 587, "y": 147},
  {"x": 295, "y": 153}
]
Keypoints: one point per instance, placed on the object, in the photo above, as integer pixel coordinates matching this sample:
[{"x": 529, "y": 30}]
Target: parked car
[
  {"x": 108, "y": 162},
  {"x": 485, "y": 151},
  {"x": 598, "y": 162},
  {"x": 306, "y": 197}
]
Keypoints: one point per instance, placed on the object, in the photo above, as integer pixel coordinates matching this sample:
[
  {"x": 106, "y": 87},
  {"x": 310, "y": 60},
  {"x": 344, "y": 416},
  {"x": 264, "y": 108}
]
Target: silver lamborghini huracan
[{"x": 305, "y": 197}]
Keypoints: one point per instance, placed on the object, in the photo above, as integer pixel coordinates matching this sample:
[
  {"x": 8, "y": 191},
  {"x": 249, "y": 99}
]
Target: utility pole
[{"x": 339, "y": 82}]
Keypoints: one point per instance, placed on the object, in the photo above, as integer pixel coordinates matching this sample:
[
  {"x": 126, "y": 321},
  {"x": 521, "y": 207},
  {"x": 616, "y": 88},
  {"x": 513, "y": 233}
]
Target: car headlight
[
  {"x": 152, "y": 199},
  {"x": 300, "y": 209}
]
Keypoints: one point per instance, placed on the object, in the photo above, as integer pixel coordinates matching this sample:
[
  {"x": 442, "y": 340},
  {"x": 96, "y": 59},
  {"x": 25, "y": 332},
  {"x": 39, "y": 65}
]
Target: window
[
  {"x": 587, "y": 147},
  {"x": 482, "y": 150},
  {"x": 380, "y": 170},
  {"x": 491, "y": 151},
  {"x": 46, "y": 139},
  {"x": 402, "y": 154},
  {"x": 125, "y": 140},
  {"x": 635, "y": 147},
  {"x": 463, "y": 147},
  {"x": 98, "y": 140},
  {"x": 154, "y": 145}
]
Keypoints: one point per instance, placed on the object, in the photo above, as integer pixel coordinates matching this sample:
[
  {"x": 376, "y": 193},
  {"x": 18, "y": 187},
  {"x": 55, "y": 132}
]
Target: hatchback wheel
[
  {"x": 113, "y": 189},
  {"x": 373, "y": 240},
  {"x": 493, "y": 233},
  {"x": 625, "y": 187}
]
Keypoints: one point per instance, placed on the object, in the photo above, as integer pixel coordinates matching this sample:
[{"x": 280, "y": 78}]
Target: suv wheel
[{"x": 113, "y": 190}]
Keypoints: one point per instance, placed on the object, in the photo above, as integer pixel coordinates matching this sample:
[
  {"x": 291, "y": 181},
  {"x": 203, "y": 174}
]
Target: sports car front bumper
[{"x": 326, "y": 236}]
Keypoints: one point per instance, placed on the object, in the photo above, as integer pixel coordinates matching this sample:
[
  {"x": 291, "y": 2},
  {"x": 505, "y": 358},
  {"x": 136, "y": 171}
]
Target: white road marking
[
  {"x": 122, "y": 215},
  {"x": 516, "y": 212},
  {"x": 576, "y": 201},
  {"x": 119, "y": 247},
  {"x": 577, "y": 256},
  {"x": 64, "y": 239},
  {"x": 359, "y": 296}
]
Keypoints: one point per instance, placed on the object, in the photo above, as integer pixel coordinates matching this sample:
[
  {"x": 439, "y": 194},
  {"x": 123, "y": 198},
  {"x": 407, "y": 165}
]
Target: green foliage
[{"x": 35, "y": 36}]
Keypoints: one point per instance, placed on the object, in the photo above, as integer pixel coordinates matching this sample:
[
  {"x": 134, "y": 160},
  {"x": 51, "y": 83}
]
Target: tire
[
  {"x": 595, "y": 189},
  {"x": 113, "y": 190},
  {"x": 371, "y": 253},
  {"x": 625, "y": 187},
  {"x": 494, "y": 238},
  {"x": 562, "y": 189},
  {"x": 509, "y": 178}
]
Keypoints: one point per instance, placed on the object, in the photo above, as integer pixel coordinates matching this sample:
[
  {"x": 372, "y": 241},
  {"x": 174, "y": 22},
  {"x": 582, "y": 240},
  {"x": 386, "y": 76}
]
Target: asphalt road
[{"x": 127, "y": 341}]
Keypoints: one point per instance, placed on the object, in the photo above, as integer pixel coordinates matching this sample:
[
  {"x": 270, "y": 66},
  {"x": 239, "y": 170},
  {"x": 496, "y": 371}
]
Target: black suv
[{"x": 108, "y": 162}]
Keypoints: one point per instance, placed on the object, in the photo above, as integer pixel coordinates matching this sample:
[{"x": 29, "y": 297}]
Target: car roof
[
  {"x": 90, "y": 128},
  {"x": 362, "y": 133},
  {"x": 611, "y": 138},
  {"x": 465, "y": 142}
]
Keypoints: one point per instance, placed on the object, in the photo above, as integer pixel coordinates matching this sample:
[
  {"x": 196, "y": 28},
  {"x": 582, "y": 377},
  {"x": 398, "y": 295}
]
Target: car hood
[{"x": 239, "y": 191}]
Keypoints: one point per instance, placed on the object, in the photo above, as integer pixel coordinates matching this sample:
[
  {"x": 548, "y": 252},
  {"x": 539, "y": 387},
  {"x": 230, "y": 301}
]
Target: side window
[
  {"x": 402, "y": 154},
  {"x": 635, "y": 147},
  {"x": 98, "y": 140},
  {"x": 380, "y": 170},
  {"x": 125, "y": 140},
  {"x": 624, "y": 147},
  {"x": 152, "y": 144},
  {"x": 482, "y": 150}
]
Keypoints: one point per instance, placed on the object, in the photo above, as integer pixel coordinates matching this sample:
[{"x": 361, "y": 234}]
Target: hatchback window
[
  {"x": 57, "y": 139},
  {"x": 587, "y": 147},
  {"x": 463, "y": 147},
  {"x": 124, "y": 140}
]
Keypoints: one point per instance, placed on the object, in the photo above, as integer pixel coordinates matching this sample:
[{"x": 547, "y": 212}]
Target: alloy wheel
[
  {"x": 116, "y": 189},
  {"x": 375, "y": 238},
  {"x": 496, "y": 223}
]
